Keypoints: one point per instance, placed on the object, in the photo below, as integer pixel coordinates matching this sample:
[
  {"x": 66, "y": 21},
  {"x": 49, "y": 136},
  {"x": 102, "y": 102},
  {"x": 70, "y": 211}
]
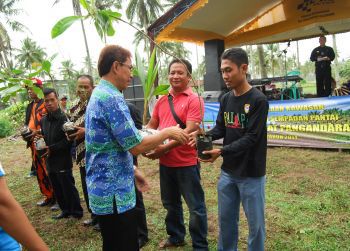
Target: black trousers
[
  {"x": 324, "y": 81},
  {"x": 119, "y": 231},
  {"x": 66, "y": 193},
  {"x": 82, "y": 170},
  {"x": 141, "y": 216}
]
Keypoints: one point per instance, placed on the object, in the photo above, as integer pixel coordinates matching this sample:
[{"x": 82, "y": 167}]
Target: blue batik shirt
[
  {"x": 110, "y": 133},
  {"x": 7, "y": 242}
]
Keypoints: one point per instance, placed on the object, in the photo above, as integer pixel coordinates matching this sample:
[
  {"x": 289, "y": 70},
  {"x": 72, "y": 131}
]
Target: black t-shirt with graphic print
[{"x": 241, "y": 122}]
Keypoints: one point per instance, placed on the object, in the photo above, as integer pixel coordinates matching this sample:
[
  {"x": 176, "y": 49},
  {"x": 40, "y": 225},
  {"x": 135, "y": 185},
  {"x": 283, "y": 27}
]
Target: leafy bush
[
  {"x": 12, "y": 118},
  {"x": 5, "y": 127},
  {"x": 344, "y": 71}
]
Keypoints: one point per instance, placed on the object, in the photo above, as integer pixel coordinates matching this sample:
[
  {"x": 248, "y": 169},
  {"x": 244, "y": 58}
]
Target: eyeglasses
[{"x": 127, "y": 65}]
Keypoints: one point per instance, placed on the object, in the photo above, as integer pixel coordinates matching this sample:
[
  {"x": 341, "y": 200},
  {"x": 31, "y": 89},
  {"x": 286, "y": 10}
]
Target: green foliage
[
  {"x": 17, "y": 80},
  {"x": 12, "y": 118},
  {"x": 63, "y": 24},
  {"x": 344, "y": 71},
  {"x": 5, "y": 126},
  {"x": 147, "y": 80},
  {"x": 103, "y": 20}
]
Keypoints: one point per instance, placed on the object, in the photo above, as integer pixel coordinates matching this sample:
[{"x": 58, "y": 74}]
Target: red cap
[{"x": 37, "y": 82}]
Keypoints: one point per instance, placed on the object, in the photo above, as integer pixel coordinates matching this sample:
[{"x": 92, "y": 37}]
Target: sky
[{"x": 39, "y": 16}]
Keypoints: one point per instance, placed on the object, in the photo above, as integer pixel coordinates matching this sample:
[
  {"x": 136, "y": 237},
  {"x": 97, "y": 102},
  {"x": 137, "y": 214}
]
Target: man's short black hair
[
  {"x": 88, "y": 77},
  {"x": 48, "y": 91},
  {"x": 235, "y": 55},
  {"x": 181, "y": 61}
]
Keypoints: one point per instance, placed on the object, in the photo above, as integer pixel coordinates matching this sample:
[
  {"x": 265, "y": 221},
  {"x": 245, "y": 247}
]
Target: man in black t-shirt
[
  {"x": 241, "y": 121},
  {"x": 323, "y": 56}
]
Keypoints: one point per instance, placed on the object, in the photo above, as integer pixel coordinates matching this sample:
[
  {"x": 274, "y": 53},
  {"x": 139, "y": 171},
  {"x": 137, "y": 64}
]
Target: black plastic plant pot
[
  {"x": 27, "y": 136},
  {"x": 70, "y": 132},
  {"x": 204, "y": 143}
]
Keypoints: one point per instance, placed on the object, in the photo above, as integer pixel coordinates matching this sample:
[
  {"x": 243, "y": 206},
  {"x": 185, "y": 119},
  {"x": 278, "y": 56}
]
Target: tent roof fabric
[{"x": 240, "y": 22}]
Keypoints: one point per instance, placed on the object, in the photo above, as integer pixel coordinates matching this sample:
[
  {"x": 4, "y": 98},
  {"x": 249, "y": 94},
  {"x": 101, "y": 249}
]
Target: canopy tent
[{"x": 238, "y": 22}]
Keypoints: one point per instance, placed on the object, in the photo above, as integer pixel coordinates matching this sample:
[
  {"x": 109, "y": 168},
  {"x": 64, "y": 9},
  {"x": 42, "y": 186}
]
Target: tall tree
[
  {"x": 262, "y": 61},
  {"x": 77, "y": 11},
  {"x": 7, "y": 21},
  {"x": 143, "y": 12},
  {"x": 67, "y": 70},
  {"x": 30, "y": 53}
]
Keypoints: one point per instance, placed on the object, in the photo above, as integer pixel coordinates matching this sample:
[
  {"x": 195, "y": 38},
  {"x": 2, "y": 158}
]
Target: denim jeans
[
  {"x": 184, "y": 181},
  {"x": 231, "y": 192}
]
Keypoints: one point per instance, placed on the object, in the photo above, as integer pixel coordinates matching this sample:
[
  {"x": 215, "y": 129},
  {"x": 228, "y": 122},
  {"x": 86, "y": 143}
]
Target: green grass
[{"x": 307, "y": 202}]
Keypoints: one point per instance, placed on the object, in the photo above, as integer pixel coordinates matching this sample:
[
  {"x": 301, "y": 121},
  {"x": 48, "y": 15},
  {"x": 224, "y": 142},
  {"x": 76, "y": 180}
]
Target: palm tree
[
  {"x": 67, "y": 70},
  {"x": 7, "y": 14},
  {"x": 30, "y": 53},
  {"x": 144, "y": 11},
  {"x": 273, "y": 50}
]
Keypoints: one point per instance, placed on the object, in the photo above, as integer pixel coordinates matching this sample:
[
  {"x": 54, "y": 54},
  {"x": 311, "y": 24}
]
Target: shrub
[
  {"x": 13, "y": 116},
  {"x": 6, "y": 128}
]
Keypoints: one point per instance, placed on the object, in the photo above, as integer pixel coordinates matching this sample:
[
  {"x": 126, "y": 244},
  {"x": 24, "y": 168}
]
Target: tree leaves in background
[{"x": 63, "y": 24}]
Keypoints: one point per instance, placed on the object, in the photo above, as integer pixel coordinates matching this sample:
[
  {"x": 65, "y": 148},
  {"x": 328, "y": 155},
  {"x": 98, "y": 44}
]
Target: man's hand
[
  {"x": 176, "y": 133},
  {"x": 140, "y": 180},
  {"x": 80, "y": 134},
  {"x": 35, "y": 134},
  {"x": 215, "y": 153},
  {"x": 47, "y": 153},
  {"x": 158, "y": 152}
]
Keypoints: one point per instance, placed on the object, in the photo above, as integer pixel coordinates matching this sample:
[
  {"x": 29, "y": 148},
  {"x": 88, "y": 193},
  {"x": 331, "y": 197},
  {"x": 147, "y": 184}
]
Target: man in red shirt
[{"x": 179, "y": 168}]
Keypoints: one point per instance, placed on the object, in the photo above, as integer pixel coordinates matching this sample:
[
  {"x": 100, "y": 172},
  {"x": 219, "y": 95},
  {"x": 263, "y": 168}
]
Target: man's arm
[
  {"x": 331, "y": 53},
  {"x": 152, "y": 141},
  {"x": 135, "y": 115},
  {"x": 16, "y": 223},
  {"x": 313, "y": 56},
  {"x": 63, "y": 143},
  {"x": 162, "y": 149}
]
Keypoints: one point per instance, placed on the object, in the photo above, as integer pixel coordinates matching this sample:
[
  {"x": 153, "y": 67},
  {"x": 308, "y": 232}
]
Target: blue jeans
[
  {"x": 184, "y": 181},
  {"x": 231, "y": 192}
]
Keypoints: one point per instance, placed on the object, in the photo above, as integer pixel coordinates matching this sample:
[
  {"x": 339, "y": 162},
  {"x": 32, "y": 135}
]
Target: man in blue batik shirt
[{"x": 111, "y": 140}]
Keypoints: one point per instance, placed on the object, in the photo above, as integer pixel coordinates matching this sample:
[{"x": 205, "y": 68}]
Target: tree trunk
[
  {"x": 336, "y": 65},
  {"x": 272, "y": 63},
  {"x": 262, "y": 61},
  {"x": 77, "y": 11},
  {"x": 145, "y": 112},
  {"x": 298, "y": 59}
]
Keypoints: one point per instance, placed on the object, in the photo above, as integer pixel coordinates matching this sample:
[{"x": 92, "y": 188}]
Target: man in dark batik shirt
[{"x": 85, "y": 86}]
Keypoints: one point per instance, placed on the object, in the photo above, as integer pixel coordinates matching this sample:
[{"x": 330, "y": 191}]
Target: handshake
[{"x": 194, "y": 138}]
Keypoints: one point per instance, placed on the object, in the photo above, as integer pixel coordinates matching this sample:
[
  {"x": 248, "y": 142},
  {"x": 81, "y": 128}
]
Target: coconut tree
[
  {"x": 67, "y": 70},
  {"x": 143, "y": 11},
  {"x": 7, "y": 21},
  {"x": 30, "y": 53}
]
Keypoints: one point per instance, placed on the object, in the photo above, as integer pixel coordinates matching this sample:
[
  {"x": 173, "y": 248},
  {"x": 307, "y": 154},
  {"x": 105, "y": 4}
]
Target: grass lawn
[{"x": 307, "y": 202}]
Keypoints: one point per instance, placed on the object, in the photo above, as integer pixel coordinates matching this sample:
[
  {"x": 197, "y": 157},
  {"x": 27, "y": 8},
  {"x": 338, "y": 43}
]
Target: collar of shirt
[
  {"x": 187, "y": 92},
  {"x": 109, "y": 85}
]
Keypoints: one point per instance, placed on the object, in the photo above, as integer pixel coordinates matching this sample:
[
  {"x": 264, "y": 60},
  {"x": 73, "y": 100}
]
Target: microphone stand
[{"x": 284, "y": 52}]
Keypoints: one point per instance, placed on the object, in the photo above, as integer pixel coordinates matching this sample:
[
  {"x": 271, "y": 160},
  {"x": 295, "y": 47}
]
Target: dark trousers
[
  {"x": 141, "y": 216},
  {"x": 324, "y": 81},
  {"x": 85, "y": 192},
  {"x": 66, "y": 193},
  {"x": 119, "y": 231},
  {"x": 184, "y": 181}
]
